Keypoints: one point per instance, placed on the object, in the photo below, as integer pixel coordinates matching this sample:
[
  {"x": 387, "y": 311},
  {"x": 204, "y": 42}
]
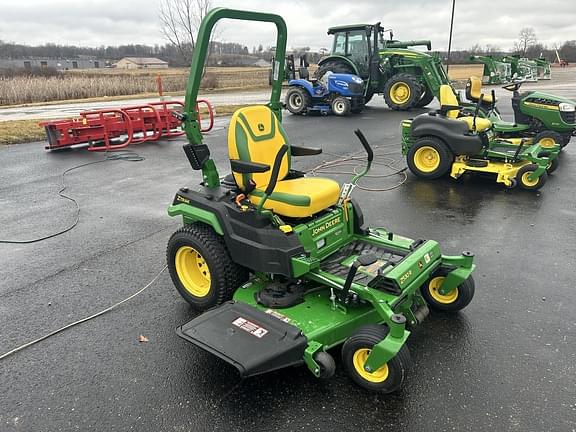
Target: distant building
[
  {"x": 59, "y": 64},
  {"x": 141, "y": 63}
]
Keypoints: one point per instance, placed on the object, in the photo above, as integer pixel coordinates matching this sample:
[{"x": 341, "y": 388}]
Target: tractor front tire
[
  {"x": 201, "y": 267},
  {"x": 523, "y": 174},
  {"x": 548, "y": 139},
  {"x": 402, "y": 92},
  {"x": 429, "y": 158},
  {"x": 355, "y": 351},
  {"x": 454, "y": 301},
  {"x": 427, "y": 97},
  {"x": 297, "y": 100},
  {"x": 341, "y": 106}
]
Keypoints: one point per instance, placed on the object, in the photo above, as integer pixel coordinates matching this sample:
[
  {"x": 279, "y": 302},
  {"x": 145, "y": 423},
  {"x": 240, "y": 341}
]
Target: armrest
[
  {"x": 244, "y": 167},
  {"x": 304, "y": 151},
  {"x": 446, "y": 108}
]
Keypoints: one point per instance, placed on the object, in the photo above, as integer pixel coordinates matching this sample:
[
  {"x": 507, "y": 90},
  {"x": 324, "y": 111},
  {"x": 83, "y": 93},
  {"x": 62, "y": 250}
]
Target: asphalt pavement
[{"x": 505, "y": 363}]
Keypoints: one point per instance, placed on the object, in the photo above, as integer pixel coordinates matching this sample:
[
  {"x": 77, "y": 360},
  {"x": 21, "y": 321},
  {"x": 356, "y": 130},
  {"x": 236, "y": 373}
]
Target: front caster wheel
[
  {"x": 355, "y": 352},
  {"x": 523, "y": 177},
  {"x": 458, "y": 299}
]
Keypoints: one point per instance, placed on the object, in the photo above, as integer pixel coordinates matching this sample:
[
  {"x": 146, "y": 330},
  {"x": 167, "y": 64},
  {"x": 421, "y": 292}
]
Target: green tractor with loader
[
  {"x": 522, "y": 68},
  {"x": 495, "y": 71},
  {"x": 283, "y": 266},
  {"x": 406, "y": 77}
]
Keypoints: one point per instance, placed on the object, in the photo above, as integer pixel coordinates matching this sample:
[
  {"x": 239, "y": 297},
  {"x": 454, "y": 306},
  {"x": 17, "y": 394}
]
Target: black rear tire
[
  {"x": 429, "y": 158},
  {"x": 402, "y": 92},
  {"x": 565, "y": 140},
  {"x": 334, "y": 67},
  {"x": 297, "y": 100},
  {"x": 361, "y": 342},
  {"x": 452, "y": 302},
  {"x": 207, "y": 250}
]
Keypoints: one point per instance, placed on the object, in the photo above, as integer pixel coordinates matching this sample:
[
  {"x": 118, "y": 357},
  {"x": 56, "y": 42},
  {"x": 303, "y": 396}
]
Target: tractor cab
[{"x": 356, "y": 42}]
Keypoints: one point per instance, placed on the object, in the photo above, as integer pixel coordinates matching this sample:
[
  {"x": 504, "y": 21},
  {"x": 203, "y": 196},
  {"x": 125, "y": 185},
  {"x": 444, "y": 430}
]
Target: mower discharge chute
[
  {"x": 539, "y": 117},
  {"x": 453, "y": 141},
  {"x": 283, "y": 265},
  {"x": 406, "y": 77}
]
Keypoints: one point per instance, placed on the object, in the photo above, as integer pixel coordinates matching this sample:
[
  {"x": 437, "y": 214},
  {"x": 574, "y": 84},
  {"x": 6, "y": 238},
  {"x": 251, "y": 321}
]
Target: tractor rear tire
[
  {"x": 341, "y": 106},
  {"x": 548, "y": 138},
  {"x": 355, "y": 350},
  {"x": 402, "y": 92},
  {"x": 427, "y": 97},
  {"x": 455, "y": 301},
  {"x": 566, "y": 139},
  {"x": 201, "y": 267},
  {"x": 334, "y": 67},
  {"x": 523, "y": 174},
  {"x": 429, "y": 158},
  {"x": 297, "y": 100}
]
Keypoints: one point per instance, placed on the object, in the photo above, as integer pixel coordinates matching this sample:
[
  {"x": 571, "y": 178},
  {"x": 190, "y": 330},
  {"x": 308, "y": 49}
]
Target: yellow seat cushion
[
  {"x": 256, "y": 135},
  {"x": 474, "y": 90},
  {"x": 481, "y": 123},
  {"x": 300, "y": 197},
  {"x": 448, "y": 98}
]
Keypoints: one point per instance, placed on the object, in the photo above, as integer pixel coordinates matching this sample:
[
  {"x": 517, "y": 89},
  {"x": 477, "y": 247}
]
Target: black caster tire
[{"x": 355, "y": 351}]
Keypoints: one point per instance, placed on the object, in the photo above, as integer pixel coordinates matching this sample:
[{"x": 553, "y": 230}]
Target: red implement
[{"x": 112, "y": 129}]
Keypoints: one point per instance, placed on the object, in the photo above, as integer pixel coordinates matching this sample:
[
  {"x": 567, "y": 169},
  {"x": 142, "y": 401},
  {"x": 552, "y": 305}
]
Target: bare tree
[
  {"x": 180, "y": 20},
  {"x": 526, "y": 39}
]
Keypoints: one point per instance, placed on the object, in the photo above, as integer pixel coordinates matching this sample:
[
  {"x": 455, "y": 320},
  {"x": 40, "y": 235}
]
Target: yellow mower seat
[
  {"x": 256, "y": 135},
  {"x": 474, "y": 90},
  {"x": 448, "y": 98}
]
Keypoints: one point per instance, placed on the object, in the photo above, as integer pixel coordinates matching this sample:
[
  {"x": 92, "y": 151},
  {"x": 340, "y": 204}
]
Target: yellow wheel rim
[
  {"x": 192, "y": 271},
  {"x": 547, "y": 142},
  {"x": 526, "y": 180},
  {"x": 433, "y": 288},
  {"x": 400, "y": 93},
  {"x": 427, "y": 159},
  {"x": 359, "y": 359}
]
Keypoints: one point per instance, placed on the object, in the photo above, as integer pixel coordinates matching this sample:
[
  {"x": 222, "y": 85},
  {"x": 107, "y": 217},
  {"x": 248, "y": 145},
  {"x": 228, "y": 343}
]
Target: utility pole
[{"x": 450, "y": 38}]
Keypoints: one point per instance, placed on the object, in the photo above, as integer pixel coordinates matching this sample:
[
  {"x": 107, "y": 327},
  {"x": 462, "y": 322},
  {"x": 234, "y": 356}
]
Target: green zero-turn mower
[
  {"x": 453, "y": 141},
  {"x": 283, "y": 265},
  {"x": 407, "y": 78},
  {"x": 542, "y": 117}
]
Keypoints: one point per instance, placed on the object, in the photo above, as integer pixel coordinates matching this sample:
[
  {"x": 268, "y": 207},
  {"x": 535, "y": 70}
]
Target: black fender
[{"x": 453, "y": 132}]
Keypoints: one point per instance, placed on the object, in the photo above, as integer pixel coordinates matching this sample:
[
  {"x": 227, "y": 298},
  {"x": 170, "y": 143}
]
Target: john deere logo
[{"x": 260, "y": 127}]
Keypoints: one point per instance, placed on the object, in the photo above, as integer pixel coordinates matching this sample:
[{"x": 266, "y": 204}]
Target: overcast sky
[{"x": 115, "y": 22}]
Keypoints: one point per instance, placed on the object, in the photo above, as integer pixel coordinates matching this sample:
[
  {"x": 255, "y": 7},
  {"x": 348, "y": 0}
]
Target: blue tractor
[{"x": 338, "y": 93}]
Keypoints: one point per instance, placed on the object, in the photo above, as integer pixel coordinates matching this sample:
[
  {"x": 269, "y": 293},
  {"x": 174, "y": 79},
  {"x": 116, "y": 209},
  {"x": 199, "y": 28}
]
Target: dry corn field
[
  {"x": 113, "y": 82},
  {"x": 81, "y": 85}
]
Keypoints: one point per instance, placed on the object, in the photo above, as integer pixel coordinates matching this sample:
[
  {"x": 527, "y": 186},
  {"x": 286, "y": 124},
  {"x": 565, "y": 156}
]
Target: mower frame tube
[{"x": 191, "y": 123}]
